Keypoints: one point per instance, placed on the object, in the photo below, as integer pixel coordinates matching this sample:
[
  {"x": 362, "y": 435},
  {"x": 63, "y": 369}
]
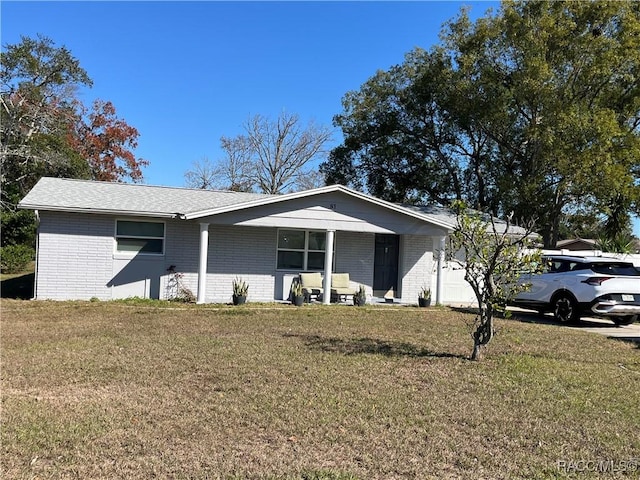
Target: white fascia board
[
  {"x": 128, "y": 213},
  {"x": 313, "y": 192}
]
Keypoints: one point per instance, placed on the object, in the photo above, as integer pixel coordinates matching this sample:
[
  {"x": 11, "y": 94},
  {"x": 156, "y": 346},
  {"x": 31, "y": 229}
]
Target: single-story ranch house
[{"x": 115, "y": 240}]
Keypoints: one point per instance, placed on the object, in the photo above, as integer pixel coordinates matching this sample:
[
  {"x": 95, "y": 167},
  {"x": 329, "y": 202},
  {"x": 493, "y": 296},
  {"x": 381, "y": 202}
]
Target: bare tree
[
  {"x": 270, "y": 157},
  {"x": 236, "y": 169},
  {"x": 281, "y": 149},
  {"x": 312, "y": 178},
  {"x": 203, "y": 175},
  {"x": 229, "y": 173}
]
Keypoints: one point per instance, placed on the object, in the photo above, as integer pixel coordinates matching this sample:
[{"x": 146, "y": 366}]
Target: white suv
[{"x": 571, "y": 286}]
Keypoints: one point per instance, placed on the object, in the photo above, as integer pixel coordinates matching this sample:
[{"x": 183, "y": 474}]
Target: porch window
[
  {"x": 301, "y": 250},
  {"x": 140, "y": 237}
]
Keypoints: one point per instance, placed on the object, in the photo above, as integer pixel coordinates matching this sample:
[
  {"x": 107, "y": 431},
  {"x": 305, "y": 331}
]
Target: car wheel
[
  {"x": 565, "y": 309},
  {"x": 620, "y": 321}
]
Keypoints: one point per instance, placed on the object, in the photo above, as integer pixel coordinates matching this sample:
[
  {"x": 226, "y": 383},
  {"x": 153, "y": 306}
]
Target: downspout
[{"x": 35, "y": 273}]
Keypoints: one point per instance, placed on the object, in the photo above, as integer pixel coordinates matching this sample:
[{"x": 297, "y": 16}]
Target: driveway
[{"x": 600, "y": 326}]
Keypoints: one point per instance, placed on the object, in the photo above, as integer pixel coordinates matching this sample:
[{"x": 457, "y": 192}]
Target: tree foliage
[
  {"x": 15, "y": 258},
  {"x": 272, "y": 156},
  {"x": 525, "y": 111},
  {"x": 38, "y": 105},
  {"x": 495, "y": 255},
  {"x": 105, "y": 142},
  {"x": 46, "y": 131}
]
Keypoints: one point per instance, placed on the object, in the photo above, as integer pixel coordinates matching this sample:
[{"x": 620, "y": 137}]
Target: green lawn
[{"x": 134, "y": 390}]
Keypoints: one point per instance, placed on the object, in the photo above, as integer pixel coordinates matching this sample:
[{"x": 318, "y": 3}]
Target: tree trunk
[
  {"x": 477, "y": 353},
  {"x": 483, "y": 334}
]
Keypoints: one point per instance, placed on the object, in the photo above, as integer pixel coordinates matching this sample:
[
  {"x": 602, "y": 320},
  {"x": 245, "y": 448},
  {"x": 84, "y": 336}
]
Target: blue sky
[{"x": 186, "y": 73}]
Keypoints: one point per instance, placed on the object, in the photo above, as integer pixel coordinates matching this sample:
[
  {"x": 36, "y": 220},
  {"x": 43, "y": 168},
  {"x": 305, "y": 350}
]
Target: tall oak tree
[{"x": 534, "y": 110}]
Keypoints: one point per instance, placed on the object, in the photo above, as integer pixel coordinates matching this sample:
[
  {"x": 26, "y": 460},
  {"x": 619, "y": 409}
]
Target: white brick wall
[
  {"x": 354, "y": 255},
  {"x": 75, "y": 256},
  {"x": 416, "y": 267},
  {"x": 245, "y": 252},
  {"x": 182, "y": 249},
  {"x": 76, "y": 261}
]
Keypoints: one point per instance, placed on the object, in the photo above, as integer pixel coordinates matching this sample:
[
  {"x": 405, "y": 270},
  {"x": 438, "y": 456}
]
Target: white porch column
[
  {"x": 202, "y": 264},
  {"x": 440, "y": 271},
  {"x": 328, "y": 263}
]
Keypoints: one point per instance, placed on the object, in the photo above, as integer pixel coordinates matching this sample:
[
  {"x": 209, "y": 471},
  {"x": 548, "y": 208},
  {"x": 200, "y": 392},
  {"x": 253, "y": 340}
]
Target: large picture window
[
  {"x": 139, "y": 237},
  {"x": 301, "y": 250}
]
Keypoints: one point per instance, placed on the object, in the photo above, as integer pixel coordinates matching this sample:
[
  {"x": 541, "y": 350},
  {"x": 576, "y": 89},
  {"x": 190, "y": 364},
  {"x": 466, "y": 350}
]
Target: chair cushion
[
  {"x": 340, "y": 280},
  {"x": 311, "y": 280}
]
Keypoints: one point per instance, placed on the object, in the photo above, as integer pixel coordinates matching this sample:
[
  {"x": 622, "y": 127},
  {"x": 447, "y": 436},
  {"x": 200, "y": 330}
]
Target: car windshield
[{"x": 626, "y": 269}]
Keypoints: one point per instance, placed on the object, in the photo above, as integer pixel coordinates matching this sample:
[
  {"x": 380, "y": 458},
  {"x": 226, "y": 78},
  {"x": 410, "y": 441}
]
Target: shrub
[
  {"x": 176, "y": 290},
  {"x": 15, "y": 258}
]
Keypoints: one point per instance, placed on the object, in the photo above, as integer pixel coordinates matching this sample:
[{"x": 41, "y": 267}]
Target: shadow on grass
[
  {"x": 586, "y": 324},
  {"x": 633, "y": 340},
  {"x": 373, "y": 346},
  {"x": 547, "y": 319},
  {"x": 20, "y": 287},
  {"x": 519, "y": 316}
]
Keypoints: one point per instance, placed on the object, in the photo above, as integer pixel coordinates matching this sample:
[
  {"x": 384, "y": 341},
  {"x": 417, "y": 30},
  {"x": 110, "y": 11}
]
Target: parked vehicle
[{"x": 573, "y": 286}]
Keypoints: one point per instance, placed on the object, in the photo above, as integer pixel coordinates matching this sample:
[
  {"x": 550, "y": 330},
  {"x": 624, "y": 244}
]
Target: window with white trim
[
  {"x": 135, "y": 237},
  {"x": 301, "y": 250}
]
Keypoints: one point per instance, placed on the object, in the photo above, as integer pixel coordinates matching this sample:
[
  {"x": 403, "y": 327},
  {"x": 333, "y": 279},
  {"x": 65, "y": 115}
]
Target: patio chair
[
  {"x": 341, "y": 286},
  {"x": 311, "y": 285}
]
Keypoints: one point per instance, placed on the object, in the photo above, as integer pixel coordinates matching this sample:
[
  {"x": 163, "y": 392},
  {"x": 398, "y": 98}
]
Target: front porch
[
  {"x": 227, "y": 252},
  {"x": 391, "y": 250}
]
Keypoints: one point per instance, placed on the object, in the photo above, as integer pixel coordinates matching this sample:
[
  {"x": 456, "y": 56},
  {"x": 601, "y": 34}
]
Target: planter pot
[
  {"x": 424, "y": 302},
  {"x": 297, "y": 300},
  {"x": 239, "y": 299}
]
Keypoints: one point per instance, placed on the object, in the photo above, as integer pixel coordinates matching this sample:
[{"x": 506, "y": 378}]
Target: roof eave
[{"x": 127, "y": 213}]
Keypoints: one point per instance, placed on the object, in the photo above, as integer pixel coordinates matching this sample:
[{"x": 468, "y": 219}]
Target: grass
[{"x": 141, "y": 390}]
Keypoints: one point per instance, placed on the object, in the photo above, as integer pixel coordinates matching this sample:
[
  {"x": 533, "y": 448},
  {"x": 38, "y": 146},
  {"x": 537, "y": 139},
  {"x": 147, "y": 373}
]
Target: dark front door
[{"x": 385, "y": 265}]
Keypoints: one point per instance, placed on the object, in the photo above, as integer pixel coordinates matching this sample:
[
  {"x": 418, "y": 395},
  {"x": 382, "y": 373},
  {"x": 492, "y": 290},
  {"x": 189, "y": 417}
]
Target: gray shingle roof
[
  {"x": 107, "y": 197},
  {"x": 447, "y": 216},
  {"x": 145, "y": 200}
]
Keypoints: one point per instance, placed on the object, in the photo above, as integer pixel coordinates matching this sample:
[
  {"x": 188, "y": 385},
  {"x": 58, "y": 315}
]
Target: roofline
[
  {"x": 266, "y": 200},
  {"x": 310, "y": 193},
  {"x": 579, "y": 239},
  {"x": 128, "y": 213}
]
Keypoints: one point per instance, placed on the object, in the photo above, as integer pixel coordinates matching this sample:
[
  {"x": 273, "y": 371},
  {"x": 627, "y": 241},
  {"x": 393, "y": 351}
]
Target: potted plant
[
  {"x": 240, "y": 291},
  {"x": 360, "y": 297},
  {"x": 297, "y": 295},
  {"x": 424, "y": 297}
]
